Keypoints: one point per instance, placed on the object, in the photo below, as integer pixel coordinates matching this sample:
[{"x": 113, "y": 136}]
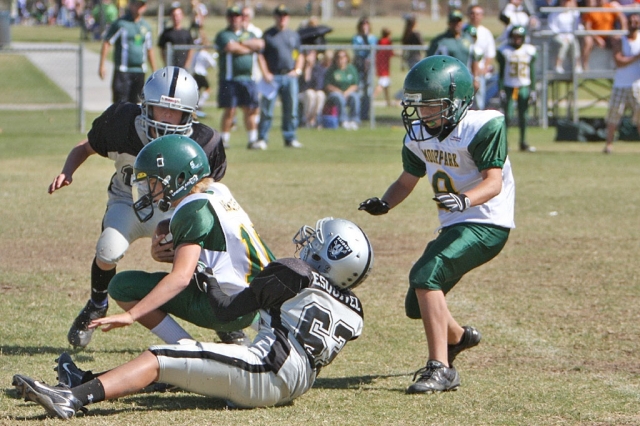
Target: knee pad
[{"x": 111, "y": 246}]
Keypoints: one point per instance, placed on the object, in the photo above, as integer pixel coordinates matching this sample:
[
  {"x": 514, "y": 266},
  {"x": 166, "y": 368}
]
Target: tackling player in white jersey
[
  {"x": 307, "y": 312},
  {"x": 463, "y": 154},
  {"x": 517, "y": 61}
]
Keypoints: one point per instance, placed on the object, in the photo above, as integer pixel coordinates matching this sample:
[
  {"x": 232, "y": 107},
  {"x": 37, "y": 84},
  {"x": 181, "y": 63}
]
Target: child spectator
[
  {"x": 202, "y": 61},
  {"x": 312, "y": 94},
  {"x": 383, "y": 60}
]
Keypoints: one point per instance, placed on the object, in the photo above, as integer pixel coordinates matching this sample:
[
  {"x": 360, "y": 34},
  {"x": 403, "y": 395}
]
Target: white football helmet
[
  {"x": 338, "y": 249},
  {"x": 174, "y": 88}
]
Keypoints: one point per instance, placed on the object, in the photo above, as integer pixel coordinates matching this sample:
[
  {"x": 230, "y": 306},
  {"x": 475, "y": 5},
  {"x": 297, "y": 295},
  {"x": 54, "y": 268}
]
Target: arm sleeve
[
  {"x": 278, "y": 282},
  {"x": 412, "y": 164},
  {"x": 192, "y": 223},
  {"x": 228, "y": 308},
  {"x": 532, "y": 68},
  {"x": 489, "y": 146}
]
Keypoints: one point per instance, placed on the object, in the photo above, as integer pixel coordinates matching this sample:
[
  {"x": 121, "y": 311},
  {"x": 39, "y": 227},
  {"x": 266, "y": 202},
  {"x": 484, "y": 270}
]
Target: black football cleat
[
  {"x": 79, "y": 334},
  {"x": 470, "y": 338},
  {"x": 58, "y": 401},
  {"x": 69, "y": 374},
  {"x": 435, "y": 377}
]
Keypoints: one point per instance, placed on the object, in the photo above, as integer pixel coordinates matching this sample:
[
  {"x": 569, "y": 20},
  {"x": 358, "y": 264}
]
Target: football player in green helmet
[
  {"x": 438, "y": 91},
  {"x": 463, "y": 155},
  {"x": 209, "y": 231},
  {"x": 517, "y": 60}
]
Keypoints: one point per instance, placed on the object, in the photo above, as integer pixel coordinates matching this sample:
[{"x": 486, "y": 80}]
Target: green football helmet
[
  {"x": 437, "y": 81},
  {"x": 517, "y": 36},
  {"x": 165, "y": 170}
]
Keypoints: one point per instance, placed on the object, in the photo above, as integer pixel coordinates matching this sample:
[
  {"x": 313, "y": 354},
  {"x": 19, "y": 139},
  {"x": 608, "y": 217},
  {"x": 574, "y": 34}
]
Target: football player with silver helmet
[
  {"x": 176, "y": 90},
  {"x": 463, "y": 154},
  {"x": 119, "y": 133},
  {"x": 295, "y": 298}
]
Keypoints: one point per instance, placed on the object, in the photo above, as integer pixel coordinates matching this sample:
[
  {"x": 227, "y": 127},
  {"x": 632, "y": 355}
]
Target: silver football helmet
[
  {"x": 338, "y": 249},
  {"x": 174, "y": 88}
]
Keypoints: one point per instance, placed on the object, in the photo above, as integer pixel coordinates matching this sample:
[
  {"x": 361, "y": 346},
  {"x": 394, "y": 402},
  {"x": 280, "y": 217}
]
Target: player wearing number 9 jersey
[
  {"x": 463, "y": 154},
  {"x": 308, "y": 313}
]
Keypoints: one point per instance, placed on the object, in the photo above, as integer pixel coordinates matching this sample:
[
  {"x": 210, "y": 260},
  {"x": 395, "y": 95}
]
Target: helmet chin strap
[{"x": 165, "y": 204}]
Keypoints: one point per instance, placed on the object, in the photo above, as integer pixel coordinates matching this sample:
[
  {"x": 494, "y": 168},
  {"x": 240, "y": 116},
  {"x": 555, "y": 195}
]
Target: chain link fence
[{"x": 40, "y": 88}]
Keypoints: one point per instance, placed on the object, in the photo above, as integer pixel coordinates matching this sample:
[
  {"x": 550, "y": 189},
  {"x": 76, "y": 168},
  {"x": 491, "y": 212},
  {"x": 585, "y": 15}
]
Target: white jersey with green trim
[
  {"x": 238, "y": 256},
  {"x": 517, "y": 63},
  {"x": 454, "y": 164}
]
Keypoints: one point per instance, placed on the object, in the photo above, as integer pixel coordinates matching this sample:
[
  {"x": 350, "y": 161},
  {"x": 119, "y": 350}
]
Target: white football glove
[{"x": 453, "y": 202}]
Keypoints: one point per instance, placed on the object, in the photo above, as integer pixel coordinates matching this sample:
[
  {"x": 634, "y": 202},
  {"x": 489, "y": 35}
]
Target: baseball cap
[
  {"x": 455, "y": 15},
  {"x": 234, "y": 10},
  {"x": 138, "y": 1},
  {"x": 281, "y": 10}
]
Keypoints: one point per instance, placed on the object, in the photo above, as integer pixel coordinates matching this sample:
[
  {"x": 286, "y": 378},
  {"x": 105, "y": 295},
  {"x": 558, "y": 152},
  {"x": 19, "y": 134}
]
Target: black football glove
[
  {"x": 374, "y": 206},
  {"x": 453, "y": 202}
]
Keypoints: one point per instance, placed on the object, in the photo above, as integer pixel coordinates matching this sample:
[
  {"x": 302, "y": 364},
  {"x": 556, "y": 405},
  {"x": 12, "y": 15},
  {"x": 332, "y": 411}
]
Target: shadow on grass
[
  {"x": 355, "y": 382},
  {"x": 183, "y": 401},
  {"x": 136, "y": 403},
  {"x": 81, "y": 354}
]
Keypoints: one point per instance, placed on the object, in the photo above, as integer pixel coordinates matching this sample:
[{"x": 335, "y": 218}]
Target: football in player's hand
[{"x": 163, "y": 229}]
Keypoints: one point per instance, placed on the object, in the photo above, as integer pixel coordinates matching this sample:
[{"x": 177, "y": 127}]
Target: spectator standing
[
  {"x": 362, "y": 60},
  {"x": 312, "y": 94},
  {"x": 453, "y": 42},
  {"x": 176, "y": 35},
  {"x": 383, "y": 65},
  {"x": 247, "y": 21},
  {"x": 104, "y": 14},
  {"x": 517, "y": 79},
  {"x": 411, "y": 37},
  {"x": 600, "y": 21},
  {"x": 486, "y": 46},
  {"x": 236, "y": 88},
  {"x": 564, "y": 25},
  {"x": 626, "y": 80},
  {"x": 133, "y": 42},
  {"x": 198, "y": 13},
  {"x": 341, "y": 85},
  {"x": 515, "y": 13},
  {"x": 281, "y": 65}
]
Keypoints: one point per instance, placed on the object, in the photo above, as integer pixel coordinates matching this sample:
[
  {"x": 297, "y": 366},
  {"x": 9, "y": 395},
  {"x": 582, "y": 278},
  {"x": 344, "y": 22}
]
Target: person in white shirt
[
  {"x": 486, "y": 44},
  {"x": 564, "y": 24}
]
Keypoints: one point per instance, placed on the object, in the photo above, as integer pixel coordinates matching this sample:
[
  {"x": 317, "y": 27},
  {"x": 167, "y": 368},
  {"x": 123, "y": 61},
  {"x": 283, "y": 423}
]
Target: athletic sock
[
  {"x": 99, "y": 283},
  {"x": 203, "y": 98},
  {"x": 225, "y": 137},
  {"x": 170, "y": 331},
  {"x": 253, "y": 135},
  {"x": 90, "y": 392}
]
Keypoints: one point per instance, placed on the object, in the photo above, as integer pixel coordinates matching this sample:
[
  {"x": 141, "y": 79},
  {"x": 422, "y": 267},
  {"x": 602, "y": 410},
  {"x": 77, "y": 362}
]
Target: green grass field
[{"x": 558, "y": 308}]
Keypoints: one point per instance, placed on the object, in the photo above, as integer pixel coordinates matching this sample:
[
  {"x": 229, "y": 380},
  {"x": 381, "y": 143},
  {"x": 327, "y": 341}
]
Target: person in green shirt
[
  {"x": 341, "y": 85},
  {"x": 131, "y": 36}
]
